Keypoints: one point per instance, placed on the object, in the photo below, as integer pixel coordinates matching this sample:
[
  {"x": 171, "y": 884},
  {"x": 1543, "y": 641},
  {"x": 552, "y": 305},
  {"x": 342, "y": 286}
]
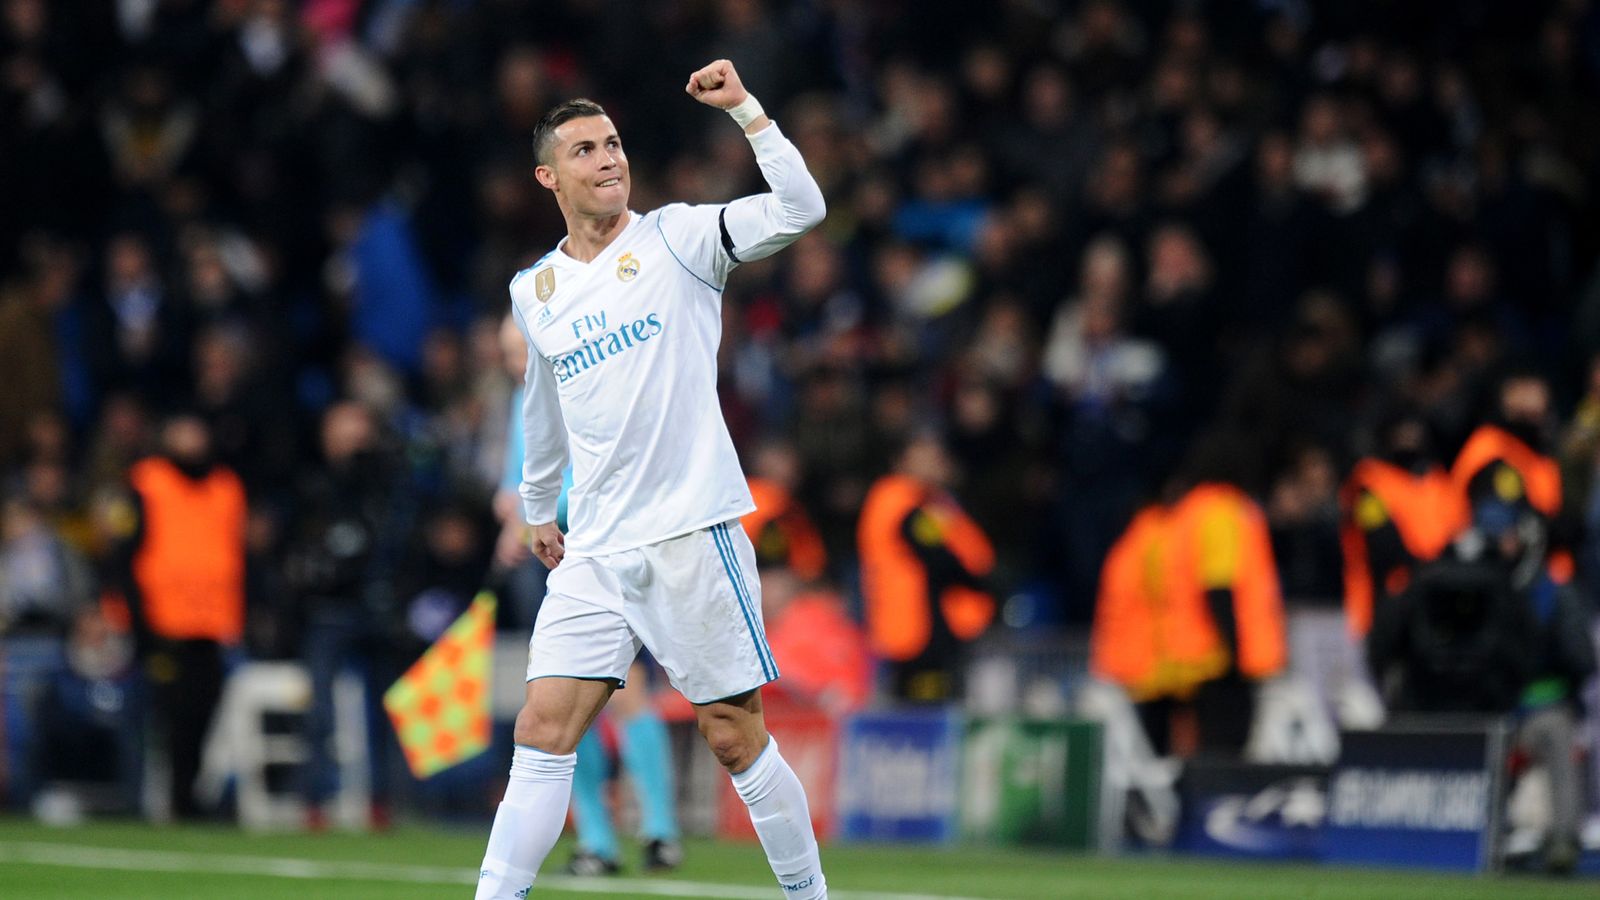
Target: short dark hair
[{"x": 544, "y": 133}]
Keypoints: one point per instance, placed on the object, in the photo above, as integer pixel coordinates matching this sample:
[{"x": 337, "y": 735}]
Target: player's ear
[{"x": 545, "y": 175}]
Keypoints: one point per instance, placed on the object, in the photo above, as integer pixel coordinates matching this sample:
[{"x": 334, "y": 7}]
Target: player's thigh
[
  {"x": 699, "y": 612},
  {"x": 581, "y": 650},
  {"x": 557, "y": 711}
]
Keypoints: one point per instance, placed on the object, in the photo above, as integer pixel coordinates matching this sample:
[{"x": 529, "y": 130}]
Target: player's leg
[
  {"x": 554, "y": 715},
  {"x": 737, "y": 734},
  {"x": 580, "y": 652},
  {"x": 647, "y": 755},
  {"x": 699, "y": 613}
]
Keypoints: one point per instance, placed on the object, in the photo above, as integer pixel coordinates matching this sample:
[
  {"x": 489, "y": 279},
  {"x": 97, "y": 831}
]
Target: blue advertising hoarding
[
  {"x": 1424, "y": 794},
  {"x": 1252, "y": 811},
  {"x": 899, "y": 774}
]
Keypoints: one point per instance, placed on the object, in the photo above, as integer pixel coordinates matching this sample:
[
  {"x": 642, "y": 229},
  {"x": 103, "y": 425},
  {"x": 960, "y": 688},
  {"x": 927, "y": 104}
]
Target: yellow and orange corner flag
[{"x": 440, "y": 706}]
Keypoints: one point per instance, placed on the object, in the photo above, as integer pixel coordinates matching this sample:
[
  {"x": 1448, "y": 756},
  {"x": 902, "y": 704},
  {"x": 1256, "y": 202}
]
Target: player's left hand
[
  {"x": 549, "y": 544},
  {"x": 717, "y": 85}
]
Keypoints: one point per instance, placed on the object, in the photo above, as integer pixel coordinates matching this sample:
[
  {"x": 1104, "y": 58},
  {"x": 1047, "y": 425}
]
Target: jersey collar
[{"x": 560, "y": 255}]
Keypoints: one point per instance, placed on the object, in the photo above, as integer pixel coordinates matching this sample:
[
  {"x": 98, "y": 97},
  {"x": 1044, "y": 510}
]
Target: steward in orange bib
[
  {"x": 923, "y": 565},
  {"x": 187, "y": 589},
  {"x": 1397, "y": 510},
  {"x": 1505, "y": 461},
  {"x": 1190, "y": 613},
  {"x": 1141, "y": 640},
  {"x": 779, "y": 528}
]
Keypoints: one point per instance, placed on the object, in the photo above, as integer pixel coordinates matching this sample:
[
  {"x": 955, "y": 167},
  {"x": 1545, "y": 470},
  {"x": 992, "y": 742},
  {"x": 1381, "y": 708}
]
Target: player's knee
[
  {"x": 735, "y": 747},
  {"x": 734, "y": 752},
  {"x": 538, "y": 729}
]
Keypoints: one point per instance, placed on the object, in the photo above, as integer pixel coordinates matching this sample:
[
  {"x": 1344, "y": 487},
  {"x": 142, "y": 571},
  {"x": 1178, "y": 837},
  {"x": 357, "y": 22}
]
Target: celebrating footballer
[{"x": 622, "y": 321}]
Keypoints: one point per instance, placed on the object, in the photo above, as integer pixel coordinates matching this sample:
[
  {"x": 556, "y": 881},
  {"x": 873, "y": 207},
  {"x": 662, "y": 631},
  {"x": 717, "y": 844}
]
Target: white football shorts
[{"x": 693, "y": 600}]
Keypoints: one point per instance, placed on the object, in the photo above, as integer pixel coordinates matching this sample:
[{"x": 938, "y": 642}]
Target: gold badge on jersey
[
  {"x": 544, "y": 283},
  {"x": 627, "y": 267}
]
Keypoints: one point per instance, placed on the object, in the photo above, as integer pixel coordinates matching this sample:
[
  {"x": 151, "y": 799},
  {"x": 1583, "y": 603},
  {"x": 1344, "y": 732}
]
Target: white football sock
[
  {"x": 782, "y": 819},
  {"x": 527, "y": 824}
]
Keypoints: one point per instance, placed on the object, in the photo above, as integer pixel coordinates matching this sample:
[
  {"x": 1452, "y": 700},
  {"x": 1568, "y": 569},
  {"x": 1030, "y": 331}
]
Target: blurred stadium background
[{"x": 1083, "y": 259}]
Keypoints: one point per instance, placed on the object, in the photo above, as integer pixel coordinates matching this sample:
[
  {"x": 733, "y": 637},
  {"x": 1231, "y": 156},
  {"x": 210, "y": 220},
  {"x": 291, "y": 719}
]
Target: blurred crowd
[{"x": 1091, "y": 247}]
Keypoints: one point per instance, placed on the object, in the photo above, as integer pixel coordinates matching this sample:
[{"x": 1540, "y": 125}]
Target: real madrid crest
[
  {"x": 627, "y": 267},
  {"x": 544, "y": 283}
]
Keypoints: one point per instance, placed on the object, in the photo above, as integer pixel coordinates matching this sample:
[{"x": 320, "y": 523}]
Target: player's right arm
[
  {"x": 544, "y": 434},
  {"x": 714, "y": 238}
]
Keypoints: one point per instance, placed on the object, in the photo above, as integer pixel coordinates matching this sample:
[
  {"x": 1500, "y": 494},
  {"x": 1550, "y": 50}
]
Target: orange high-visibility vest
[
  {"x": 894, "y": 581},
  {"x": 190, "y": 565},
  {"x": 1220, "y": 540},
  {"x": 1426, "y": 510},
  {"x": 780, "y": 527},
  {"x": 1141, "y": 638},
  {"x": 1541, "y": 476}
]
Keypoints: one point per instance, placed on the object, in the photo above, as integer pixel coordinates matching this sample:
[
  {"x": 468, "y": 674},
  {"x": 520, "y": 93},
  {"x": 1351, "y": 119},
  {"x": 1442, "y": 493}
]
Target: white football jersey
[{"x": 622, "y": 377}]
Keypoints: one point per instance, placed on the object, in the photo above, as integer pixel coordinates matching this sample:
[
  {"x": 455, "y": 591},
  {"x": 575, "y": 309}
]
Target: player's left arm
[{"x": 760, "y": 225}]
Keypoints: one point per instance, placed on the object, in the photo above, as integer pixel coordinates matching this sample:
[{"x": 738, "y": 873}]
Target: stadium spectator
[
  {"x": 822, "y": 652},
  {"x": 88, "y": 751},
  {"x": 923, "y": 568},
  {"x": 347, "y": 521},
  {"x": 30, "y": 346},
  {"x": 1107, "y": 383},
  {"x": 187, "y": 565},
  {"x": 779, "y": 528},
  {"x": 44, "y": 585}
]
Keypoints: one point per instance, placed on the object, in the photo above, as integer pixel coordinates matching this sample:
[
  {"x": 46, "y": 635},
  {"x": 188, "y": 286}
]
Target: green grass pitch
[{"x": 133, "y": 860}]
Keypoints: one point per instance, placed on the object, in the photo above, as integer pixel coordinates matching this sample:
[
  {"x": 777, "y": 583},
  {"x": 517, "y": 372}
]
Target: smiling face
[{"x": 586, "y": 168}]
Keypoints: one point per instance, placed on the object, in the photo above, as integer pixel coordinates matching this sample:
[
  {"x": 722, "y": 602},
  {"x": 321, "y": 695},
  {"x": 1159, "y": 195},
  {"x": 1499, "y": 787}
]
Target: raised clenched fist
[{"x": 717, "y": 84}]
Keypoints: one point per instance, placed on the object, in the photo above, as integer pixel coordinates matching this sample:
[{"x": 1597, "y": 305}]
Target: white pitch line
[{"x": 117, "y": 858}]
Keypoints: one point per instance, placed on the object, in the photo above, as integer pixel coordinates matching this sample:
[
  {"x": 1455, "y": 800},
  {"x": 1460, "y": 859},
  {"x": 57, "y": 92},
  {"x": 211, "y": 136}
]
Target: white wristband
[{"x": 748, "y": 110}]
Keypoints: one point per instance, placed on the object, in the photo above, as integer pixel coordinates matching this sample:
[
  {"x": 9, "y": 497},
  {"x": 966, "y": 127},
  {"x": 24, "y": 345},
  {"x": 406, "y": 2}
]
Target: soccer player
[
  {"x": 622, "y": 320},
  {"x": 645, "y": 750}
]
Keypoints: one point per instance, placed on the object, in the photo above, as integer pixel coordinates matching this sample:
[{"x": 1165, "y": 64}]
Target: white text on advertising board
[{"x": 1417, "y": 799}]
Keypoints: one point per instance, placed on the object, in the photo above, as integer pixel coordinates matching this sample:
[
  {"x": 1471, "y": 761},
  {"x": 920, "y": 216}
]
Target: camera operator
[{"x": 1488, "y": 629}]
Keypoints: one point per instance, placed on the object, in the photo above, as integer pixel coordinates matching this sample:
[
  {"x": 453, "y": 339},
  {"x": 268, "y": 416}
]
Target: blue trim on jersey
[
  {"x": 769, "y": 670},
  {"x": 668, "y": 245}
]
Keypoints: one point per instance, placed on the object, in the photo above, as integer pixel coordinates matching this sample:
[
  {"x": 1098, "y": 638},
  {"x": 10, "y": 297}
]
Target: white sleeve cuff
[
  {"x": 767, "y": 141},
  {"x": 538, "y": 510}
]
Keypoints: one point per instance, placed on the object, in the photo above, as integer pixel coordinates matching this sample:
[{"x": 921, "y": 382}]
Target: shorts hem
[
  {"x": 621, "y": 682},
  {"x": 758, "y": 686}
]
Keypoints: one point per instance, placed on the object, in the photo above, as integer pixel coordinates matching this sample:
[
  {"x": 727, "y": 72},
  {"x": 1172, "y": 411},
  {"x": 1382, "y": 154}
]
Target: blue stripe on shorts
[{"x": 730, "y": 563}]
